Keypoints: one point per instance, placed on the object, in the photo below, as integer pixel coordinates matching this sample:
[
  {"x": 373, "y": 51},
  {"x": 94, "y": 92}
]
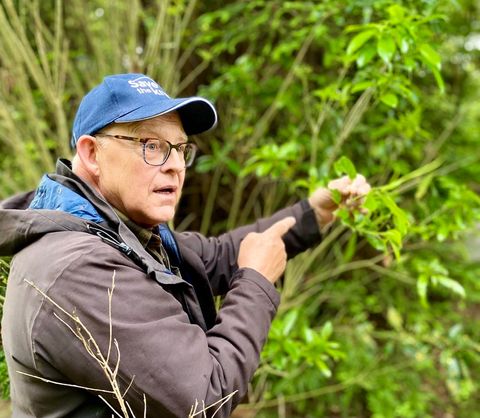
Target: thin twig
[
  {"x": 223, "y": 401},
  {"x": 63, "y": 384},
  {"x": 110, "y": 293}
]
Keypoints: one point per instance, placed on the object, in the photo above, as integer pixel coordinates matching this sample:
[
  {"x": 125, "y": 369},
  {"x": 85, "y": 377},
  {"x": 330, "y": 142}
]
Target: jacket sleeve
[
  {"x": 18, "y": 201},
  {"x": 219, "y": 255},
  {"x": 172, "y": 362}
]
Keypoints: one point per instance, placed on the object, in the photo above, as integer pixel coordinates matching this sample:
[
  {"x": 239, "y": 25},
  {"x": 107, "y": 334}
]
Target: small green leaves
[
  {"x": 380, "y": 220},
  {"x": 272, "y": 160},
  {"x": 293, "y": 343},
  {"x": 432, "y": 273}
]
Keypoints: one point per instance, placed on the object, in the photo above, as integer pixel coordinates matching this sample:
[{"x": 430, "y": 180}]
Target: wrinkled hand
[
  {"x": 352, "y": 193},
  {"x": 265, "y": 251}
]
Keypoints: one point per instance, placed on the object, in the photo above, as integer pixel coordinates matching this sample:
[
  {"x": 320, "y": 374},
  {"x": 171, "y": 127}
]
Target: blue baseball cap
[{"x": 135, "y": 97}]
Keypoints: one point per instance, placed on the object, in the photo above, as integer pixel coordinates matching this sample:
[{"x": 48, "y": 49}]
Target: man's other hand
[{"x": 351, "y": 191}]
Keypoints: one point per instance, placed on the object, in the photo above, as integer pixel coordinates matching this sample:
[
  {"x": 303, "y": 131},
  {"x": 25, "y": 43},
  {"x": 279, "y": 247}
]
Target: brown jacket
[{"x": 172, "y": 343}]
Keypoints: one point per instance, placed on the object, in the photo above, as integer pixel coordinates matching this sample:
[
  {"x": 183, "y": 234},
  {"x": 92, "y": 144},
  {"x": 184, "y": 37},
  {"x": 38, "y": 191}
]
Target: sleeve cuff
[{"x": 254, "y": 276}]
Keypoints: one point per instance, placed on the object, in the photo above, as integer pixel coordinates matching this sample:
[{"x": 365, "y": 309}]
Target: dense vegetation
[{"x": 379, "y": 320}]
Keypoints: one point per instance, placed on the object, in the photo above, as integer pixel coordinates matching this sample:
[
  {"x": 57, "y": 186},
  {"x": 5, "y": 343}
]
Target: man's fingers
[
  {"x": 342, "y": 184},
  {"x": 362, "y": 190},
  {"x": 360, "y": 186},
  {"x": 346, "y": 186},
  {"x": 281, "y": 227}
]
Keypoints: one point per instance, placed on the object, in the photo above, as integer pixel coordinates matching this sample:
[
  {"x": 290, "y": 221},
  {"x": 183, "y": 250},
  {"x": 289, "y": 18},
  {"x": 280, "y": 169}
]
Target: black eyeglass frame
[{"x": 180, "y": 147}]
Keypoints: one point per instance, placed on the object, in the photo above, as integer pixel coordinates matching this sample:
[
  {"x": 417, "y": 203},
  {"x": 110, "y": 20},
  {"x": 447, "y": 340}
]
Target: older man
[{"x": 105, "y": 215}]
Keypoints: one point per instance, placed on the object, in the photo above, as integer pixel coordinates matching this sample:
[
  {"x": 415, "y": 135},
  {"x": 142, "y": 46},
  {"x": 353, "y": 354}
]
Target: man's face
[{"x": 146, "y": 194}]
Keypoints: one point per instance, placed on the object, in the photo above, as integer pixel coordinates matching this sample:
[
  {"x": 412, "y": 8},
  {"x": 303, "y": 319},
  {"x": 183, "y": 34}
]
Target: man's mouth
[{"x": 166, "y": 190}]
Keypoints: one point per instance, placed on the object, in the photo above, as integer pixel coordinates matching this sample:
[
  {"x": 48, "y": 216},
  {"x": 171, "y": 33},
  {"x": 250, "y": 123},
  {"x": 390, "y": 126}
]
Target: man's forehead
[
  {"x": 157, "y": 124},
  {"x": 167, "y": 118}
]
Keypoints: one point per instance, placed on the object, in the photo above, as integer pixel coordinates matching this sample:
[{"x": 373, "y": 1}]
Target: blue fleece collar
[{"x": 55, "y": 196}]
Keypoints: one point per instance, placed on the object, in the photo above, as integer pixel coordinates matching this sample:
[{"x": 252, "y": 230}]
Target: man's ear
[{"x": 87, "y": 153}]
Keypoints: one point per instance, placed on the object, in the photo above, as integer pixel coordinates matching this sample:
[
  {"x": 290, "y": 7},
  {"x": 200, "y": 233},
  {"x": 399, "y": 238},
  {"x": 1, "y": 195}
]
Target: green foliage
[
  {"x": 295, "y": 347},
  {"x": 309, "y": 91},
  {"x": 51, "y": 53},
  {"x": 379, "y": 319},
  {"x": 4, "y": 381}
]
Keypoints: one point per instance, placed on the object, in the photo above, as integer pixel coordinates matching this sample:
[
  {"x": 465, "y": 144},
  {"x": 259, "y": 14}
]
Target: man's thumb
[{"x": 281, "y": 227}]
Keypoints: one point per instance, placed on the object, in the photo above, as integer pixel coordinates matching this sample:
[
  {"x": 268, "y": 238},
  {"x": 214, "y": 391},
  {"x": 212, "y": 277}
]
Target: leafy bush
[{"x": 304, "y": 90}]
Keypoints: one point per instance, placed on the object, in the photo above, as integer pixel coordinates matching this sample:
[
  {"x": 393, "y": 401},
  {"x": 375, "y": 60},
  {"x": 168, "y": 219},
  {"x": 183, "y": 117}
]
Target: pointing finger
[{"x": 281, "y": 227}]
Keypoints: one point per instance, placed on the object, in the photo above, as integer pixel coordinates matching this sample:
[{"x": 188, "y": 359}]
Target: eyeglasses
[{"x": 156, "y": 151}]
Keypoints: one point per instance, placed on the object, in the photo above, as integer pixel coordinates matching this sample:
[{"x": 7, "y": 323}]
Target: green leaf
[
  {"x": 422, "y": 286},
  {"x": 233, "y": 166},
  {"x": 263, "y": 169},
  {"x": 394, "y": 318},
  {"x": 423, "y": 187},
  {"x": 396, "y": 12},
  {"x": 359, "y": 40},
  {"x": 390, "y": 100},
  {"x": 365, "y": 55},
  {"x": 204, "y": 164},
  {"x": 322, "y": 366},
  {"x": 438, "y": 79},
  {"x": 403, "y": 40},
  {"x": 376, "y": 242},
  {"x": 344, "y": 166},
  {"x": 362, "y": 85},
  {"x": 327, "y": 330},
  {"x": 308, "y": 335},
  {"x": 344, "y": 214},
  {"x": 399, "y": 216},
  {"x": 350, "y": 249},
  {"x": 336, "y": 196},
  {"x": 386, "y": 48},
  {"x": 431, "y": 56},
  {"x": 452, "y": 285},
  {"x": 410, "y": 64},
  {"x": 289, "y": 321},
  {"x": 394, "y": 238},
  {"x": 371, "y": 202}
]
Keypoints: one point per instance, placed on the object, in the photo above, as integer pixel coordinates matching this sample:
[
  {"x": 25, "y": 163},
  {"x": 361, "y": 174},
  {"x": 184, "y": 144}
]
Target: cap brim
[{"x": 197, "y": 114}]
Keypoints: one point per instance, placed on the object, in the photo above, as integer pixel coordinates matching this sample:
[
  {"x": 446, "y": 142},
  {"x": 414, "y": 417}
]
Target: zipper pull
[{"x": 110, "y": 239}]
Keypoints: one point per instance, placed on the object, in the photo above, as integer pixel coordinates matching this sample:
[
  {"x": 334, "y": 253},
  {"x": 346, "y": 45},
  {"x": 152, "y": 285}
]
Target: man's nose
[{"x": 175, "y": 161}]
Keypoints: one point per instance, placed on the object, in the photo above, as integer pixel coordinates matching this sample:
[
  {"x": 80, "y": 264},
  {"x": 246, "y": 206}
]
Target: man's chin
[
  {"x": 166, "y": 215},
  {"x": 151, "y": 220}
]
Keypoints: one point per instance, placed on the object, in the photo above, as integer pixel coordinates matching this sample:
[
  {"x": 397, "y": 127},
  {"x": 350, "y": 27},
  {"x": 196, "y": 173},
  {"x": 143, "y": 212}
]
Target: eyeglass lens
[{"x": 157, "y": 151}]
